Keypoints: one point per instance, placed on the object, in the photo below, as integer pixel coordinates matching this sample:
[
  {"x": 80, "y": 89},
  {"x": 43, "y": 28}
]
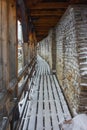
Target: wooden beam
[
  {"x": 46, "y": 20},
  {"x": 4, "y": 64},
  {"x": 1, "y": 75},
  {"x": 44, "y": 24},
  {"x": 78, "y": 2},
  {"x": 46, "y": 13},
  {"x": 47, "y": 5},
  {"x": 12, "y": 40},
  {"x": 42, "y": 28}
]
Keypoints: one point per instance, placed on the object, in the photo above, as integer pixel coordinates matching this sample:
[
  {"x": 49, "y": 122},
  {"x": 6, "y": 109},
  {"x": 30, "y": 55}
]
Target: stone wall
[
  {"x": 45, "y": 48},
  {"x": 81, "y": 42},
  {"x": 71, "y": 55},
  {"x": 67, "y": 58}
]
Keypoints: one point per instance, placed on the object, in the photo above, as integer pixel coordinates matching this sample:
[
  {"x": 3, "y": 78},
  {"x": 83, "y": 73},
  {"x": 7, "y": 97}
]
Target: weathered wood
[
  {"x": 4, "y": 43},
  {"x": 25, "y": 53},
  {"x": 4, "y": 64},
  {"x": 45, "y": 111},
  {"x": 12, "y": 37},
  {"x": 0, "y": 45},
  {"x": 12, "y": 40},
  {"x": 41, "y": 13},
  {"x": 46, "y": 20},
  {"x": 47, "y": 5}
]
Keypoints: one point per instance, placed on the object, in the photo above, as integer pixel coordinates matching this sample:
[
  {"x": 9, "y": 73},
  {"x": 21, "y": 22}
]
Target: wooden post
[
  {"x": 25, "y": 53},
  {"x": 12, "y": 39},
  {"x": 8, "y": 53},
  {"x": 4, "y": 75},
  {"x": 4, "y": 65}
]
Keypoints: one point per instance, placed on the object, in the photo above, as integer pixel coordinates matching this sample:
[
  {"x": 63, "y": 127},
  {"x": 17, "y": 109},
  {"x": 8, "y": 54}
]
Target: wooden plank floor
[{"x": 46, "y": 106}]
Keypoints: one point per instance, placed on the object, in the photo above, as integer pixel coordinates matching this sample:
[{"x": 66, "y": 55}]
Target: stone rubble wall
[
  {"x": 45, "y": 48},
  {"x": 71, "y": 55}
]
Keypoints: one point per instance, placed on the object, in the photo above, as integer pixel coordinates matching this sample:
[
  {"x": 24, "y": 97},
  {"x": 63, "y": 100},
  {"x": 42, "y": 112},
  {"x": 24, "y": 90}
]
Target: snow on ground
[{"x": 79, "y": 122}]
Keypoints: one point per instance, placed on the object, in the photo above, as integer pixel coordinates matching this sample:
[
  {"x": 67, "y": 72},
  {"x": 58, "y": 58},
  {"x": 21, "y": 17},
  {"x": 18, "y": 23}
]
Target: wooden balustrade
[{"x": 12, "y": 85}]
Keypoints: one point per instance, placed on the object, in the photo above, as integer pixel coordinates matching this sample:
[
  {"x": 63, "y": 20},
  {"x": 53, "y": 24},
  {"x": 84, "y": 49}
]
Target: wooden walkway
[{"x": 46, "y": 106}]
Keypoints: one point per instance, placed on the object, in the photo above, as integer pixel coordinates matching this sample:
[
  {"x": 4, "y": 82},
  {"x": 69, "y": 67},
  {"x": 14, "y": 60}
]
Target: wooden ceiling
[{"x": 46, "y": 13}]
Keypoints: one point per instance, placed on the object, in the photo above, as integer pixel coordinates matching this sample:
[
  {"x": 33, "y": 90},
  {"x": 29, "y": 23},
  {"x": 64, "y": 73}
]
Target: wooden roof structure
[{"x": 45, "y": 14}]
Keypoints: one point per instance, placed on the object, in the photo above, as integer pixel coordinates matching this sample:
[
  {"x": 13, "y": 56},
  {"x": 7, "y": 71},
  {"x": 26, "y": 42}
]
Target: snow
[
  {"x": 83, "y": 84},
  {"x": 83, "y": 63},
  {"x": 84, "y": 73},
  {"x": 85, "y": 68},
  {"x": 79, "y": 122},
  {"x": 84, "y": 48},
  {"x": 82, "y": 57},
  {"x": 85, "y": 52}
]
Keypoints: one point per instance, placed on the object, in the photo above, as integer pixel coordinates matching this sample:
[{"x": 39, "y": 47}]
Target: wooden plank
[
  {"x": 51, "y": 5},
  {"x": 0, "y": 44},
  {"x": 37, "y": 24},
  {"x": 22, "y": 120},
  {"x": 4, "y": 40},
  {"x": 57, "y": 102},
  {"x": 40, "y": 116},
  {"x": 47, "y": 111},
  {"x": 53, "y": 111},
  {"x": 41, "y": 89},
  {"x": 33, "y": 117},
  {"x": 12, "y": 40},
  {"x": 27, "y": 117},
  {"x": 62, "y": 100},
  {"x": 23, "y": 105},
  {"x": 46, "y": 12},
  {"x": 46, "y": 20},
  {"x": 45, "y": 89},
  {"x": 32, "y": 121}
]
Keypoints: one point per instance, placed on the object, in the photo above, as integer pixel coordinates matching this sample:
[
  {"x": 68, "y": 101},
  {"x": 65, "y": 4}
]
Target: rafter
[
  {"x": 47, "y": 21},
  {"x": 47, "y": 5},
  {"x": 46, "y": 13}
]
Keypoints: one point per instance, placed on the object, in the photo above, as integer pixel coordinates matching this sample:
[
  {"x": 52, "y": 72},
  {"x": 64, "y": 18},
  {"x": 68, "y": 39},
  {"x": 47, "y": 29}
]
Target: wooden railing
[{"x": 23, "y": 73}]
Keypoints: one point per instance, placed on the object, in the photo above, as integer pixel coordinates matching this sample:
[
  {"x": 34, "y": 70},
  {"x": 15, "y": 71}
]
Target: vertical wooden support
[
  {"x": 4, "y": 44},
  {"x": 32, "y": 44},
  {"x": 8, "y": 52},
  {"x": 25, "y": 52},
  {"x": 0, "y": 47},
  {"x": 53, "y": 51},
  {"x": 4, "y": 65},
  {"x": 13, "y": 54},
  {"x": 24, "y": 29}
]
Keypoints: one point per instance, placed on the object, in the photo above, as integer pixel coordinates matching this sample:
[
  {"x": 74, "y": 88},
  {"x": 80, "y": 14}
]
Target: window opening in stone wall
[
  {"x": 20, "y": 47},
  {"x": 20, "y": 51}
]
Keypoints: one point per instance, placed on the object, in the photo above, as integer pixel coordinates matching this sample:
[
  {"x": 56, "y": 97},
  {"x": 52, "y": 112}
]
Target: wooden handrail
[
  {"x": 22, "y": 73},
  {"x": 13, "y": 84},
  {"x": 25, "y": 81}
]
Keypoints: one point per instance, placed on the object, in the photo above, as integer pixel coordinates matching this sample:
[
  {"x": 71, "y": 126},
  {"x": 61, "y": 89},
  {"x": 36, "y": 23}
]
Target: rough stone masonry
[{"x": 70, "y": 55}]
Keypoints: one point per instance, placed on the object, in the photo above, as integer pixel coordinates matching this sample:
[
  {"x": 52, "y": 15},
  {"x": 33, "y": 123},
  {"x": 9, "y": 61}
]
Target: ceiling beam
[
  {"x": 44, "y": 24},
  {"x": 46, "y": 13},
  {"x": 47, "y": 5},
  {"x": 78, "y": 1},
  {"x": 47, "y": 21}
]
